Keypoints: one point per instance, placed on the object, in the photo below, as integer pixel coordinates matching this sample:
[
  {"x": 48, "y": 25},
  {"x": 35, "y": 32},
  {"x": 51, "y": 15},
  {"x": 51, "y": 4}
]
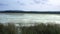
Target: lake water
[{"x": 29, "y": 18}]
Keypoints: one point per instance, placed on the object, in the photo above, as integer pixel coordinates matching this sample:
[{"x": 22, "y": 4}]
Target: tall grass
[
  {"x": 7, "y": 29},
  {"x": 42, "y": 28}
]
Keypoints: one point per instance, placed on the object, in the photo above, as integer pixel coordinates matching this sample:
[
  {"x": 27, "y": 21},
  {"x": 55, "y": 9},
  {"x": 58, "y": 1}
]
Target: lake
[{"x": 29, "y": 17}]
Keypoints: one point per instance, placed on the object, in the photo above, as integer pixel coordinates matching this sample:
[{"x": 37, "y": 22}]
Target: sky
[{"x": 30, "y": 5}]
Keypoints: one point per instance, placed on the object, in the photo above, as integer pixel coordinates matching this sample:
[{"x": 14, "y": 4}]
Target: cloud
[{"x": 30, "y": 5}]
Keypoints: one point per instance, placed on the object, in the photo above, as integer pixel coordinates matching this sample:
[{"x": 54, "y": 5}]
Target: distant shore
[{"x": 36, "y": 12}]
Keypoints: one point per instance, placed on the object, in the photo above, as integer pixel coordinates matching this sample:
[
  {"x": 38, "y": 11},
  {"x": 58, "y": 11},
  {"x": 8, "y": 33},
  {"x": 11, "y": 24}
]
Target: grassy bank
[{"x": 41, "y": 28}]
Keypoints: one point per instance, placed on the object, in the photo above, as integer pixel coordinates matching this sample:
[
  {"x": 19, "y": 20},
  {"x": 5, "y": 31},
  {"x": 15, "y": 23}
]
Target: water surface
[{"x": 27, "y": 18}]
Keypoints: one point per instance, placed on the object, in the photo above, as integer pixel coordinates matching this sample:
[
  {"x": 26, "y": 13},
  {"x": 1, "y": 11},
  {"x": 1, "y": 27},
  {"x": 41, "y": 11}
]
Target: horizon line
[{"x": 39, "y": 12}]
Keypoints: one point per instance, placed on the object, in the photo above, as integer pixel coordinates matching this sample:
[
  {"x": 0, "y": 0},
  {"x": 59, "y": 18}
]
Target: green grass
[
  {"x": 42, "y": 29},
  {"x": 49, "y": 28}
]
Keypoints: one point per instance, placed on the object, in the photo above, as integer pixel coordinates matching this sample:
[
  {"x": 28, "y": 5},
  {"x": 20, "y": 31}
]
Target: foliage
[
  {"x": 42, "y": 29},
  {"x": 10, "y": 29},
  {"x": 1, "y": 28},
  {"x": 37, "y": 29}
]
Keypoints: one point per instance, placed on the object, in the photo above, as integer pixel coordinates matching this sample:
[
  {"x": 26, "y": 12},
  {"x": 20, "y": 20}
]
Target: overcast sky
[{"x": 30, "y": 5}]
